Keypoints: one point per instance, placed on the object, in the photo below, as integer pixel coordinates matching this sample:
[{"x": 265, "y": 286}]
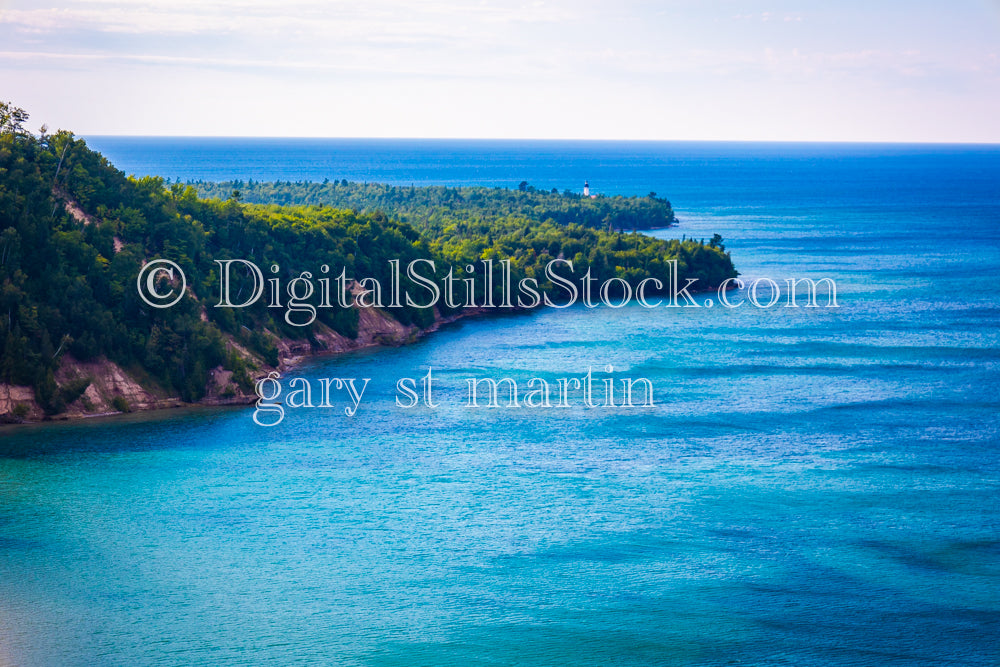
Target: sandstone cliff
[{"x": 112, "y": 389}]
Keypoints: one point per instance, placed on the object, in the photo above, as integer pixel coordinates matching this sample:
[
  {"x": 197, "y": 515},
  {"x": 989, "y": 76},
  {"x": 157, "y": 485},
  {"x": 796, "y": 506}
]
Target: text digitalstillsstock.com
[
  {"x": 274, "y": 398},
  {"x": 161, "y": 284}
]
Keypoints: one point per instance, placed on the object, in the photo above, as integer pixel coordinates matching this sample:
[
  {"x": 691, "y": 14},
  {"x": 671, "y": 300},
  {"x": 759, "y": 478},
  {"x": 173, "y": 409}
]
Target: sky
[{"x": 677, "y": 69}]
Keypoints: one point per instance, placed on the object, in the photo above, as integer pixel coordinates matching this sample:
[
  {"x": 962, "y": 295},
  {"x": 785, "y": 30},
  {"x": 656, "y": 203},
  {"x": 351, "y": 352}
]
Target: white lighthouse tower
[{"x": 586, "y": 188}]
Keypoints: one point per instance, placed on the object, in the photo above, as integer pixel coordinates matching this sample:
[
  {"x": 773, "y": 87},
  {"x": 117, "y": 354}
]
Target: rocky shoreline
[{"x": 113, "y": 390}]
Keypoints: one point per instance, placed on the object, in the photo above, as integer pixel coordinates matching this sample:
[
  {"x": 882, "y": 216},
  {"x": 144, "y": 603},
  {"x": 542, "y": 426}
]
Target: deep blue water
[{"x": 813, "y": 487}]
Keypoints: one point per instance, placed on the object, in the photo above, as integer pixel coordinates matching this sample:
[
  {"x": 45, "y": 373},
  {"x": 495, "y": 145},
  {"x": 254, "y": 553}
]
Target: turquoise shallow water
[{"x": 813, "y": 486}]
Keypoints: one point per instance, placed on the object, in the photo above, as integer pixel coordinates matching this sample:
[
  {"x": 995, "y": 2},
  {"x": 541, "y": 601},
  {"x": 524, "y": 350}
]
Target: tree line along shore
[{"x": 78, "y": 339}]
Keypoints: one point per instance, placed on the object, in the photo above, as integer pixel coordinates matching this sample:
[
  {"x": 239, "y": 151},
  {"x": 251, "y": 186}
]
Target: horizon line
[{"x": 898, "y": 142}]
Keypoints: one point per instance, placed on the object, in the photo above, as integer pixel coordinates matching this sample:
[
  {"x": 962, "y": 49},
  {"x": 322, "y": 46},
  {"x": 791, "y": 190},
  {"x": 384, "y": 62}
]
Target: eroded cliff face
[
  {"x": 113, "y": 390},
  {"x": 110, "y": 390},
  {"x": 18, "y": 404},
  {"x": 375, "y": 327}
]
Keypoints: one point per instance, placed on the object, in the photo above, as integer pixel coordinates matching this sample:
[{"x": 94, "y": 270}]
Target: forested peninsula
[
  {"x": 75, "y": 232},
  {"x": 433, "y": 209}
]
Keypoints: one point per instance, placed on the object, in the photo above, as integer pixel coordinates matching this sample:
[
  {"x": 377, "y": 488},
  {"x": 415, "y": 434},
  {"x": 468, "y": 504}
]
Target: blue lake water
[{"x": 813, "y": 486}]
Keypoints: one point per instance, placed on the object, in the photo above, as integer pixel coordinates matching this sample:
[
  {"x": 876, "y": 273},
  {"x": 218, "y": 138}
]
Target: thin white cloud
[
  {"x": 393, "y": 37},
  {"x": 372, "y": 68},
  {"x": 610, "y": 68},
  {"x": 311, "y": 17}
]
